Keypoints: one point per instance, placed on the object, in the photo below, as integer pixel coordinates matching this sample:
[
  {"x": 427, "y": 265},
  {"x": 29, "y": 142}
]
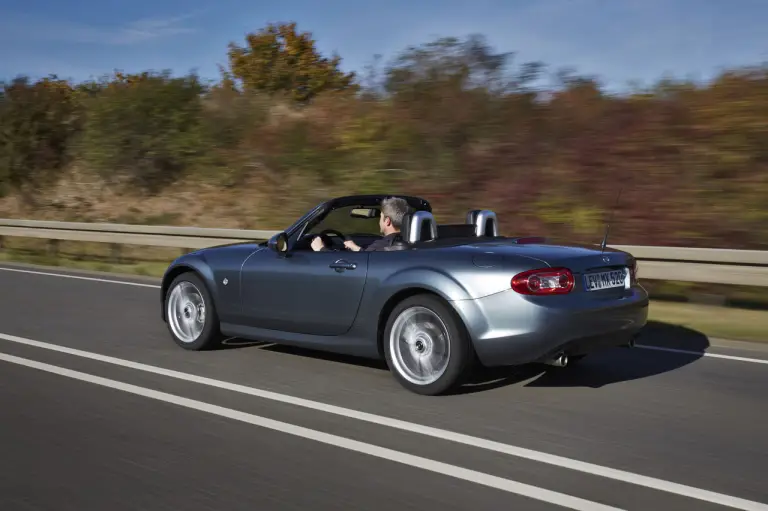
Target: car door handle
[{"x": 341, "y": 264}]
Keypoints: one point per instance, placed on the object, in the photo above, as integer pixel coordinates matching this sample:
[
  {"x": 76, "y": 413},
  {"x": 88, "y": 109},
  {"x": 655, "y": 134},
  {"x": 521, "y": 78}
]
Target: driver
[{"x": 393, "y": 209}]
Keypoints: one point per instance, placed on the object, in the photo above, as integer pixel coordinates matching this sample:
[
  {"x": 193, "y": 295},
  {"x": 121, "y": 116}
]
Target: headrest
[
  {"x": 418, "y": 226},
  {"x": 405, "y": 228},
  {"x": 484, "y": 221}
]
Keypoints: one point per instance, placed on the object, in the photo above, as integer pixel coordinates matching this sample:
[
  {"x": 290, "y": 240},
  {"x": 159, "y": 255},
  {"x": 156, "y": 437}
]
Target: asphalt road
[{"x": 264, "y": 427}]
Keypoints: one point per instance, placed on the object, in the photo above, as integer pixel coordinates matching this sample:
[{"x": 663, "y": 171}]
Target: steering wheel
[{"x": 327, "y": 239}]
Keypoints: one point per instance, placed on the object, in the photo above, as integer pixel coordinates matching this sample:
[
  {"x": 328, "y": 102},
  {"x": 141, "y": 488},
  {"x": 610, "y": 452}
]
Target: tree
[
  {"x": 277, "y": 59},
  {"x": 37, "y": 123},
  {"x": 145, "y": 126},
  {"x": 450, "y": 62}
]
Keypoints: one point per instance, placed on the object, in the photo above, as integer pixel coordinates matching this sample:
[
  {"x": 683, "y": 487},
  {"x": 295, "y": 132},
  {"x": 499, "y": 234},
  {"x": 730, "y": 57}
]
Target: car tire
[
  {"x": 436, "y": 323},
  {"x": 185, "y": 294}
]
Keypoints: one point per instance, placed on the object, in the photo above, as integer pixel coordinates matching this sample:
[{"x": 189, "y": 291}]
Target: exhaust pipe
[{"x": 560, "y": 360}]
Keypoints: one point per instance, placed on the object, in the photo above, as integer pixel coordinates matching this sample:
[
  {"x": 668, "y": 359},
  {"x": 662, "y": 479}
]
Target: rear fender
[
  {"x": 401, "y": 285},
  {"x": 429, "y": 279}
]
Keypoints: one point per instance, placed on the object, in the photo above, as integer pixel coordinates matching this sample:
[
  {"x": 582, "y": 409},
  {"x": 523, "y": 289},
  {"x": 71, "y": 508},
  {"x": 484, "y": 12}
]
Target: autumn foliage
[
  {"x": 279, "y": 59},
  {"x": 450, "y": 120}
]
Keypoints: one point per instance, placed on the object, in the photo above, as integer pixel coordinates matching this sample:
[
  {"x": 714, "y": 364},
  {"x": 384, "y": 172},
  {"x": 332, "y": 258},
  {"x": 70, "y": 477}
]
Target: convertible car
[{"x": 442, "y": 298}]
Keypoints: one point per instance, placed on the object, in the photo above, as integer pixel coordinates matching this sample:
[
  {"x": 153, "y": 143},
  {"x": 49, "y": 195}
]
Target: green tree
[
  {"x": 277, "y": 59},
  {"x": 146, "y": 126},
  {"x": 37, "y": 124}
]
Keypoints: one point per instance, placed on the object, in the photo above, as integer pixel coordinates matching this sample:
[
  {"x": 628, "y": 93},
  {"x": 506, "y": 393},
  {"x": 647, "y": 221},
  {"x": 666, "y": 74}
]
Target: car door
[{"x": 303, "y": 291}]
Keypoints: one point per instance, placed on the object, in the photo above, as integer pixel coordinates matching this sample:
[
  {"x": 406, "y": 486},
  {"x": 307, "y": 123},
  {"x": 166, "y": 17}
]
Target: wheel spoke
[{"x": 426, "y": 363}]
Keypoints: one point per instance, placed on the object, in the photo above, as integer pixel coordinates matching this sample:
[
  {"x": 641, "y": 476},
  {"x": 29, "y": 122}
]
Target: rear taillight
[{"x": 546, "y": 281}]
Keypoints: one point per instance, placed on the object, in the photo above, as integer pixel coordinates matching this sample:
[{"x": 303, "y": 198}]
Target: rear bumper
[{"x": 510, "y": 329}]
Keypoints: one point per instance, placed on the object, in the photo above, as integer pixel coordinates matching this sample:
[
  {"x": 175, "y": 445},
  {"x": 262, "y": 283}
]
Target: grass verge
[
  {"x": 148, "y": 268},
  {"x": 712, "y": 320}
]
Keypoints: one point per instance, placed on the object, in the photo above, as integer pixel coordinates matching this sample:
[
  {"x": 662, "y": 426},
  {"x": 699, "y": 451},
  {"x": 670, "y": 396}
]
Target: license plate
[{"x": 605, "y": 280}]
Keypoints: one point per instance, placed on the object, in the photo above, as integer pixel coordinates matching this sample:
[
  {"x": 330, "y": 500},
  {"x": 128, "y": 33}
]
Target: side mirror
[{"x": 279, "y": 242}]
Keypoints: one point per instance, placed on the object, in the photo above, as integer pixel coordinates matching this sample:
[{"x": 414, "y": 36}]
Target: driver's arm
[
  {"x": 351, "y": 245},
  {"x": 378, "y": 244}
]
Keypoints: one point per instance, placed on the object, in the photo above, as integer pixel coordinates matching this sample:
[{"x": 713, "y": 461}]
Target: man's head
[{"x": 393, "y": 209}]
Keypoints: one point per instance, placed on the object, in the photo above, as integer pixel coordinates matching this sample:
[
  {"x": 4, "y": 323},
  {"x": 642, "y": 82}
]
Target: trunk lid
[{"x": 577, "y": 258}]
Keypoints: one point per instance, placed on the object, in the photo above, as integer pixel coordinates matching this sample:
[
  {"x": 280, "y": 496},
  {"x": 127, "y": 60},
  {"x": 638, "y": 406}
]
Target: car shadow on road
[
  {"x": 594, "y": 371},
  {"x": 606, "y": 367},
  {"x": 326, "y": 356},
  {"x": 234, "y": 343}
]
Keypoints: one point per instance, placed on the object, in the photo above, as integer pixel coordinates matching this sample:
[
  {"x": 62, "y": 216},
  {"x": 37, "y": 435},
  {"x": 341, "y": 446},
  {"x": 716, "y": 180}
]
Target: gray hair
[{"x": 395, "y": 208}]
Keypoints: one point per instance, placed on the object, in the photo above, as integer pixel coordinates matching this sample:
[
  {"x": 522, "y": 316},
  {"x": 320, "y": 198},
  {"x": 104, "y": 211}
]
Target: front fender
[{"x": 188, "y": 262}]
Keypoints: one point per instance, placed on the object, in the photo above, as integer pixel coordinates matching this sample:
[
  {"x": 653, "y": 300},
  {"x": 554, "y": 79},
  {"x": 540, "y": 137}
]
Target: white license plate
[{"x": 605, "y": 279}]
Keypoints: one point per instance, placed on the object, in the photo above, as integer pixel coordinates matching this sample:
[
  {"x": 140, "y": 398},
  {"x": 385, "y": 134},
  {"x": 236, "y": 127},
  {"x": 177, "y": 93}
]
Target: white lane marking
[
  {"x": 700, "y": 353},
  {"x": 481, "y": 478},
  {"x": 442, "y": 434},
  {"x": 80, "y": 277}
]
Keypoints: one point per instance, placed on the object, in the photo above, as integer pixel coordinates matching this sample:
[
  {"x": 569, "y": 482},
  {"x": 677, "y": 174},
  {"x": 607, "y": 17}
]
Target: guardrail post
[
  {"x": 53, "y": 247},
  {"x": 2, "y": 242},
  {"x": 116, "y": 252}
]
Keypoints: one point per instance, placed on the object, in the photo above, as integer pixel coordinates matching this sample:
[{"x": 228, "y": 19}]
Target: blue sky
[{"x": 618, "y": 40}]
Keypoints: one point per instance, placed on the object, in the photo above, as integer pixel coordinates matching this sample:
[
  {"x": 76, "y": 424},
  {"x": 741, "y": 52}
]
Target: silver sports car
[{"x": 441, "y": 298}]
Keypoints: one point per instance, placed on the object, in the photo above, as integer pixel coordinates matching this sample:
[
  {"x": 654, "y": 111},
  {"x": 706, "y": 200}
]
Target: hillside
[{"x": 449, "y": 120}]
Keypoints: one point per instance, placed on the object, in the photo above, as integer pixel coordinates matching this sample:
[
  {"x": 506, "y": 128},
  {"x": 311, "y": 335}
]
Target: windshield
[{"x": 340, "y": 220}]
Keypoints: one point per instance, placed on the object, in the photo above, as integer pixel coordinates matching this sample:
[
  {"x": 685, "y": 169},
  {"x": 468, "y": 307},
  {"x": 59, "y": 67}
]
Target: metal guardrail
[
  {"x": 722, "y": 266},
  {"x": 129, "y": 234}
]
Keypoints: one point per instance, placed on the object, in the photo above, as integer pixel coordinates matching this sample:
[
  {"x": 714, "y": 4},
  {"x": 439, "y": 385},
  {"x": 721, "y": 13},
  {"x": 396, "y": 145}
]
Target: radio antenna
[{"x": 608, "y": 226}]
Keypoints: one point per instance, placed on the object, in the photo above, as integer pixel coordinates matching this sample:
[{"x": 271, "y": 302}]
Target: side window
[{"x": 340, "y": 220}]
